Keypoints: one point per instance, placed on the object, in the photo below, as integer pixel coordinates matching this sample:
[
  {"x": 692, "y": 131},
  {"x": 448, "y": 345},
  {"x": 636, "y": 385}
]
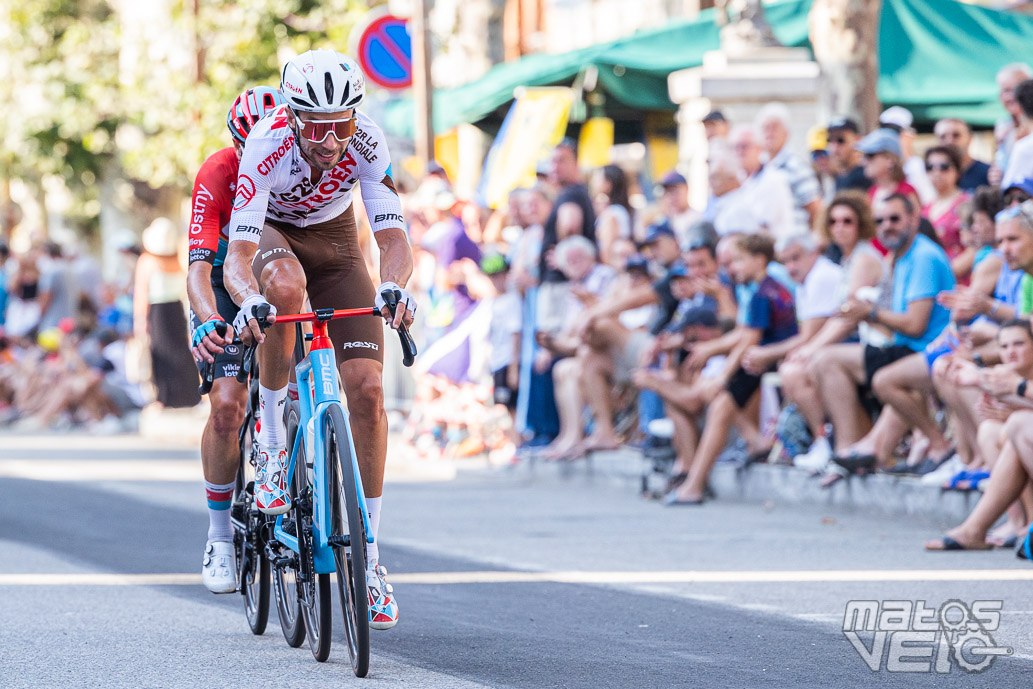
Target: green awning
[{"x": 936, "y": 57}]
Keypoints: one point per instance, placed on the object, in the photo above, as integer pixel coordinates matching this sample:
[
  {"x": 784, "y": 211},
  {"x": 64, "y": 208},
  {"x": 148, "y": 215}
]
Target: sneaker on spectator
[
  {"x": 271, "y": 480},
  {"x": 944, "y": 473},
  {"x": 817, "y": 458}
]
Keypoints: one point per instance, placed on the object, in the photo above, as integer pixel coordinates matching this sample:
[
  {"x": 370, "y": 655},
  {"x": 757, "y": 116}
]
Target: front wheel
[
  {"x": 346, "y": 520},
  {"x": 252, "y": 567},
  {"x": 287, "y": 586},
  {"x": 316, "y": 603}
]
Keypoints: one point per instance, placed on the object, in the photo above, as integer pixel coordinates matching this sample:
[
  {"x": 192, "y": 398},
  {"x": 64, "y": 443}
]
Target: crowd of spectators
[
  {"x": 80, "y": 352},
  {"x": 876, "y": 292}
]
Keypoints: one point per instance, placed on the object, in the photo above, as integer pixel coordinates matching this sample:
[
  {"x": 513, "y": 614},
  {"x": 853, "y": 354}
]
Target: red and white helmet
[
  {"x": 251, "y": 106},
  {"x": 322, "y": 81}
]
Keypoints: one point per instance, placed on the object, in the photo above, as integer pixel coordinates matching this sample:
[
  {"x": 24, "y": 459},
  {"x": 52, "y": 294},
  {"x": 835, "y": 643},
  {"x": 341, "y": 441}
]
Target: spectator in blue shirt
[{"x": 920, "y": 271}]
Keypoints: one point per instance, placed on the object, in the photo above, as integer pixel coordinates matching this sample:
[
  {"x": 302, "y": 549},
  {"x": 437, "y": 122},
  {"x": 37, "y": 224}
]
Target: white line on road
[
  {"x": 141, "y": 469},
  {"x": 569, "y": 577}
]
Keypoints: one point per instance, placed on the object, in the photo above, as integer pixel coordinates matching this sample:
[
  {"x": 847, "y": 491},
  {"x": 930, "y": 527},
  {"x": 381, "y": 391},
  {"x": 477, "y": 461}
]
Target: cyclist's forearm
[
  {"x": 240, "y": 282},
  {"x": 396, "y": 262},
  {"x": 200, "y": 292}
]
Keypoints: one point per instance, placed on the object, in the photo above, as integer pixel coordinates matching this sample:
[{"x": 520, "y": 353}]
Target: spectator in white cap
[
  {"x": 882, "y": 165},
  {"x": 900, "y": 120},
  {"x": 774, "y": 122}
]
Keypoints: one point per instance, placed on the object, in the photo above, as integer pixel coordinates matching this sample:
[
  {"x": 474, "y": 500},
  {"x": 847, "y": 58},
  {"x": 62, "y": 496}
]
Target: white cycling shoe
[{"x": 219, "y": 567}]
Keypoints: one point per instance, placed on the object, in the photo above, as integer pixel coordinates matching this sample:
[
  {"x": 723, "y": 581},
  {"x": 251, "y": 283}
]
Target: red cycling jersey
[{"x": 212, "y": 205}]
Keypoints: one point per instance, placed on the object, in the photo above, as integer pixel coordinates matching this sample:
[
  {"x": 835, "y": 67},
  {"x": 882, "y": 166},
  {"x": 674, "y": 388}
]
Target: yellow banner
[
  {"x": 534, "y": 125},
  {"x": 595, "y": 143}
]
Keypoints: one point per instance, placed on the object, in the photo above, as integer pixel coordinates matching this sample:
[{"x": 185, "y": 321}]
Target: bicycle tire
[
  {"x": 345, "y": 513},
  {"x": 316, "y": 604},
  {"x": 286, "y": 584},
  {"x": 252, "y": 566}
]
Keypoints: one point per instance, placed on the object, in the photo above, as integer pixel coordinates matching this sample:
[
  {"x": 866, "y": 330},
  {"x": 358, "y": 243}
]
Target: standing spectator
[
  {"x": 765, "y": 192},
  {"x": 1007, "y": 130},
  {"x": 921, "y": 271},
  {"x": 535, "y": 204},
  {"x": 159, "y": 316},
  {"x": 23, "y": 306},
  {"x": 612, "y": 208},
  {"x": 900, "y": 120},
  {"x": 1020, "y": 159},
  {"x": 944, "y": 167},
  {"x": 715, "y": 126},
  {"x": 58, "y": 289},
  {"x": 572, "y": 213},
  {"x": 774, "y": 122},
  {"x": 504, "y": 333},
  {"x": 674, "y": 205},
  {"x": 848, "y": 162},
  {"x": 882, "y": 156},
  {"x": 951, "y": 131}
]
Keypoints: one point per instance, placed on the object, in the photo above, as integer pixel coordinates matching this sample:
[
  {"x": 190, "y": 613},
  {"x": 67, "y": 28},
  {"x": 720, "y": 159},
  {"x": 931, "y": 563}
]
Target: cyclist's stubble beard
[{"x": 323, "y": 156}]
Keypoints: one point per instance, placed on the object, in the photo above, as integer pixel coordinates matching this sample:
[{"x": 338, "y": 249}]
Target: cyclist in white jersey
[{"x": 293, "y": 228}]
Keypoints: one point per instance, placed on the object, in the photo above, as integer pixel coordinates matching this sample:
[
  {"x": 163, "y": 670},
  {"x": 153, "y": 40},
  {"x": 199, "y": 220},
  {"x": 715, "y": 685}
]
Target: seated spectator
[
  {"x": 848, "y": 225},
  {"x": 765, "y": 191},
  {"x": 882, "y": 165},
  {"x": 726, "y": 209},
  {"x": 674, "y": 205},
  {"x": 847, "y": 161},
  {"x": 715, "y": 126},
  {"x": 977, "y": 231},
  {"x": 770, "y": 318},
  {"x": 589, "y": 282},
  {"x": 920, "y": 271},
  {"x": 774, "y": 123},
  {"x": 1006, "y": 430},
  {"x": 954, "y": 132},
  {"x": 1006, "y": 129},
  {"x": 900, "y": 120},
  {"x": 944, "y": 167},
  {"x": 611, "y": 350}
]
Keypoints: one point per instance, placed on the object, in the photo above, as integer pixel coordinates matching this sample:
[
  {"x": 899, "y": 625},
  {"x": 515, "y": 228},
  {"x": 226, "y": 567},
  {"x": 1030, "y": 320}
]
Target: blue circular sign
[{"x": 385, "y": 53}]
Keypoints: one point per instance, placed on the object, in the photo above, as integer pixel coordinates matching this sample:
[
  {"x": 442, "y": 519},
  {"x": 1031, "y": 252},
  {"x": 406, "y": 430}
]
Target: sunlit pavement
[{"x": 505, "y": 579}]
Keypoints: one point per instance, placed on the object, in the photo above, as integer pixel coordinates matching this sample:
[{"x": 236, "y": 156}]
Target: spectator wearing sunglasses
[
  {"x": 847, "y": 161},
  {"x": 951, "y": 131},
  {"x": 920, "y": 271},
  {"x": 943, "y": 165},
  {"x": 882, "y": 165}
]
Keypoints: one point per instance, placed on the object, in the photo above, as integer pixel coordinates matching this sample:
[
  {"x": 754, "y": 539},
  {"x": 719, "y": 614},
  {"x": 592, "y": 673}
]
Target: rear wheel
[
  {"x": 252, "y": 567},
  {"x": 286, "y": 582},
  {"x": 346, "y": 520}
]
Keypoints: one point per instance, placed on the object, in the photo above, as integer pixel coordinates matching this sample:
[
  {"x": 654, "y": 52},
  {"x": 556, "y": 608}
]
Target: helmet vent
[
  {"x": 347, "y": 90},
  {"x": 311, "y": 93},
  {"x": 302, "y": 102},
  {"x": 328, "y": 86}
]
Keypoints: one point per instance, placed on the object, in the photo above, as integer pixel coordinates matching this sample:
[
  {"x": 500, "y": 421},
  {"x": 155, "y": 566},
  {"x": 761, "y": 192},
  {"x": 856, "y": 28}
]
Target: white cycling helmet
[{"x": 322, "y": 81}]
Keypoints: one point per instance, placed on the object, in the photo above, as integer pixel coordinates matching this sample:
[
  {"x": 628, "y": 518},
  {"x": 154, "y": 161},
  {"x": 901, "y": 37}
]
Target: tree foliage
[{"x": 90, "y": 83}]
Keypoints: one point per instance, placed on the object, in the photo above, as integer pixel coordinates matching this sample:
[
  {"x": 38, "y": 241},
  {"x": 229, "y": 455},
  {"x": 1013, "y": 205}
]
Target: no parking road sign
[{"x": 385, "y": 53}]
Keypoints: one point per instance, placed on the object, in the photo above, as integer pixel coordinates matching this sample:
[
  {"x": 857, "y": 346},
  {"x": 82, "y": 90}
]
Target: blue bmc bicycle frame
[{"x": 318, "y": 390}]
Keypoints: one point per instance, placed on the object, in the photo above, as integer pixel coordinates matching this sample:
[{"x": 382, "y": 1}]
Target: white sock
[
  {"x": 272, "y": 432},
  {"x": 373, "y": 511},
  {"x": 219, "y": 498}
]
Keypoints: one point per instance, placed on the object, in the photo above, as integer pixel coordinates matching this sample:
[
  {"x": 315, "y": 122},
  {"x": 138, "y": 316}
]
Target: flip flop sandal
[
  {"x": 950, "y": 544},
  {"x": 1025, "y": 551},
  {"x": 963, "y": 475}
]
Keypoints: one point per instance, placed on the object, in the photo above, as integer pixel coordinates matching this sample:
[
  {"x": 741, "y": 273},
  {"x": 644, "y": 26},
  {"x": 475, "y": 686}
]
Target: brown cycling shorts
[{"x": 336, "y": 278}]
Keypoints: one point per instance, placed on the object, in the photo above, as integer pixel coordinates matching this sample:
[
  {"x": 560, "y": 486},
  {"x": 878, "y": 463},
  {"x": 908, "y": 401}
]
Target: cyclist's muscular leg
[
  {"x": 219, "y": 442},
  {"x": 365, "y": 391},
  {"x": 283, "y": 284}
]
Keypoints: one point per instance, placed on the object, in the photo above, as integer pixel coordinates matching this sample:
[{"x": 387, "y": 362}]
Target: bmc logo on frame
[{"x": 924, "y": 639}]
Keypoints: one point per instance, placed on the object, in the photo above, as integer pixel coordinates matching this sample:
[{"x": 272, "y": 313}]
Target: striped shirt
[{"x": 803, "y": 183}]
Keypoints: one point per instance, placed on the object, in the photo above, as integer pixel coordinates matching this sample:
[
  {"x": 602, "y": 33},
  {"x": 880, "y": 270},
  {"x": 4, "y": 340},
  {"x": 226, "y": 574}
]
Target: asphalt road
[{"x": 504, "y": 579}]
